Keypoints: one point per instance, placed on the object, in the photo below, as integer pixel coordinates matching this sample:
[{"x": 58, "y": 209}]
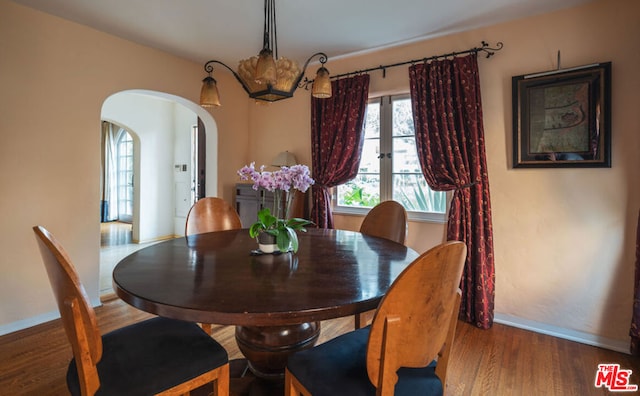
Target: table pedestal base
[
  {"x": 267, "y": 347},
  {"x": 244, "y": 383}
]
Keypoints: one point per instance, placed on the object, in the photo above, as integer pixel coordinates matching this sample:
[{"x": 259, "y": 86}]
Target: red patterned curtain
[
  {"x": 336, "y": 141},
  {"x": 635, "y": 320},
  {"x": 447, "y": 115}
]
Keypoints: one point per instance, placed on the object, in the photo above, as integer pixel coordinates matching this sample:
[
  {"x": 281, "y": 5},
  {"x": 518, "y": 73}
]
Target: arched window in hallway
[
  {"x": 125, "y": 178},
  {"x": 117, "y": 173}
]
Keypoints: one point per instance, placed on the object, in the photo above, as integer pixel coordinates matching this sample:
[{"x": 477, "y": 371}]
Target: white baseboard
[
  {"x": 157, "y": 239},
  {"x": 29, "y": 322},
  {"x": 567, "y": 334},
  {"x": 36, "y": 320}
]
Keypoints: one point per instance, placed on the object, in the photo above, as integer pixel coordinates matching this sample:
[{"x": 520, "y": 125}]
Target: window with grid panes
[{"x": 389, "y": 166}]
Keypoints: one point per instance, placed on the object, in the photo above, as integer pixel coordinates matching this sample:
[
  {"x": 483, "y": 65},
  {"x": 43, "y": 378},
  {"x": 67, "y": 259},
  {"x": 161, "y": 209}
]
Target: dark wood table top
[{"x": 213, "y": 278}]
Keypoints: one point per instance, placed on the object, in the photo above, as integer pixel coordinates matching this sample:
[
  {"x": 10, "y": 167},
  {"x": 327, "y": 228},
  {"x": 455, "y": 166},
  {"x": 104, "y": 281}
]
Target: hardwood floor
[
  {"x": 115, "y": 233},
  {"x": 500, "y": 361}
]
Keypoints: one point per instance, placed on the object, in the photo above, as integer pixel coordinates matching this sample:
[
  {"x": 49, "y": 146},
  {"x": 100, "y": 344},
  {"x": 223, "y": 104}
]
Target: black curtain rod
[{"x": 484, "y": 48}]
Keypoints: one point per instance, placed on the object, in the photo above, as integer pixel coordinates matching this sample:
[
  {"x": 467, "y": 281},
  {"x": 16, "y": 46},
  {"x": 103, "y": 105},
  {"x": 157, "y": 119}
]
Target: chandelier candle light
[
  {"x": 267, "y": 77},
  {"x": 281, "y": 183}
]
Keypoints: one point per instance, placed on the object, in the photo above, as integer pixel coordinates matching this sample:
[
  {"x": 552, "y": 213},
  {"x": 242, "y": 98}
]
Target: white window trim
[
  {"x": 420, "y": 217},
  {"x": 426, "y": 217}
]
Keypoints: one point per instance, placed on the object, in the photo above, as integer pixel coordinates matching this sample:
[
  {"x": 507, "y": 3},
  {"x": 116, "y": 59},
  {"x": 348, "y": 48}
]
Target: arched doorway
[{"x": 162, "y": 128}]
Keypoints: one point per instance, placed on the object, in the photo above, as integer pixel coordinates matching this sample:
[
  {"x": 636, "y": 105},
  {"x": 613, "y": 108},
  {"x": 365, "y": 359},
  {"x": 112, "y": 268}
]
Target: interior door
[{"x": 199, "y": 160}]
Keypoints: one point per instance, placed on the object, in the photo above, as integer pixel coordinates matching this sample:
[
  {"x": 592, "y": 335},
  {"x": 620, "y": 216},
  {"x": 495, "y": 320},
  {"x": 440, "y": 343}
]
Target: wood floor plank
[{"x": 500, "y": 361}]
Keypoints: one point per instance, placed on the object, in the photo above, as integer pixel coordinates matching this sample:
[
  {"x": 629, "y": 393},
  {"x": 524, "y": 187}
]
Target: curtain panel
[
  {"x": 110, "y": 135},
  {"x": 635, "y": 319},
  {"x": 336, "y": 141},
  {"x": 447, "y": 114}
]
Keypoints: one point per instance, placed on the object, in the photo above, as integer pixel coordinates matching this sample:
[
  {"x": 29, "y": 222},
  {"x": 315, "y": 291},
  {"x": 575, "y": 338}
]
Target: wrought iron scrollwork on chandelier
[{"x": 267, "y": 77}]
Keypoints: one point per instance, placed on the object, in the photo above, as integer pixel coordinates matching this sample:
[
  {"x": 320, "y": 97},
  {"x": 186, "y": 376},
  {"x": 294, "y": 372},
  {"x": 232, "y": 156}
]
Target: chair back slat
[
  {"x": 421, "y": 301},
  {"x": 387, "y": 220},
  {"x": 78, "y": 317},
  {"x": 211, "y": 214}
]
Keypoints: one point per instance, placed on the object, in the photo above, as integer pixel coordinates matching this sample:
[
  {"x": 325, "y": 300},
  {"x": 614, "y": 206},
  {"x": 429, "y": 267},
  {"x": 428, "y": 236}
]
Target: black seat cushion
[
  {"x": 152, "y": 356},
  {"x": 339, "y": 367}
]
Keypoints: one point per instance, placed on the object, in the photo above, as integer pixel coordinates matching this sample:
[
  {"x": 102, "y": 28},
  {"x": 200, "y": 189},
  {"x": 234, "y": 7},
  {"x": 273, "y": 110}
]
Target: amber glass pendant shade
[
  {"x": 209, "y": 96},
  {"x": 266, "y": 72},
  {"x": 321, "y": 84}
]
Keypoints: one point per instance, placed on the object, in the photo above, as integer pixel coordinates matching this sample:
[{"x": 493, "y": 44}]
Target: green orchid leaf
[
  {"x": 282, "y": 239},
  {"x": 297, "y": 223},
  {"x": 266, "y": 221},
  {"x": 266, "y": 218},
  {"x": 255, "y": 229},
  {"x": 293, "y": 237}
]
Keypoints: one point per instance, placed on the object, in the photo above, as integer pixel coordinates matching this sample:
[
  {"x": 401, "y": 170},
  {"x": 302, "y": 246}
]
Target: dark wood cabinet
[{"x": 250, "y": 201}]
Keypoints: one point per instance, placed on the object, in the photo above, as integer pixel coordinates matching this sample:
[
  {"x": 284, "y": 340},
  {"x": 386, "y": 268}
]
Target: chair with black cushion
[
  {"x": 406, "y": 349},
  {"x": 211, "y": 214},
  {"x": 158, "y": 356},
  {"x": 386, "y": 220}
]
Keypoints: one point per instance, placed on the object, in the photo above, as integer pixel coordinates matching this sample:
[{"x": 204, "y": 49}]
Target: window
[
  {"x": 125, "y": 177},
  {"x": 389, "y": 166}
]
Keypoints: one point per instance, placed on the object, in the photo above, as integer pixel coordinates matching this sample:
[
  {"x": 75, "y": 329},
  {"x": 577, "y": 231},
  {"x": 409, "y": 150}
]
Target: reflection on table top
[{"x": 213, "y": 278}]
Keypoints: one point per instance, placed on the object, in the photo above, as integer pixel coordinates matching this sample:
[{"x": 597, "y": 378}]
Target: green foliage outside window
[
  {"x": 422, "y": 200},
  {"x": 354, "y": 195}
]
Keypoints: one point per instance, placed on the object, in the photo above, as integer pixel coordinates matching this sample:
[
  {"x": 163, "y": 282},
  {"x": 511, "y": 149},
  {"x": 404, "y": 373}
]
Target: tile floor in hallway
[{"x": 115, "y": 244}]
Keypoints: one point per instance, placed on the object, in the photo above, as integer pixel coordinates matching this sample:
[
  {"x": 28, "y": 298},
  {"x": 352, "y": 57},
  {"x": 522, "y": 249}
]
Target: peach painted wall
[
  {"x": 55, "y": 76},
  {"x": 564, "y": 238}
]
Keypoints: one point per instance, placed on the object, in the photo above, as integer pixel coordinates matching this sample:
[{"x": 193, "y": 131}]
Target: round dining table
[{"x": 276, "y": 301}]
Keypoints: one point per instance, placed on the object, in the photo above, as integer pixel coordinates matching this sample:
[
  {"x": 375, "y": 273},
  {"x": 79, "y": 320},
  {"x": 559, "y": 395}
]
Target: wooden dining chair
[
  {"x": 211, "y": 214},
  {"x": 406, "y": 349},
  {"x": 158, "y": 356},
  {"x": 386, "y": 220}
]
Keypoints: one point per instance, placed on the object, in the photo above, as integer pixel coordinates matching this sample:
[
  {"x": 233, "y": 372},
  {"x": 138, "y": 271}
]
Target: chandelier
[{"x": 267, "y": 77}]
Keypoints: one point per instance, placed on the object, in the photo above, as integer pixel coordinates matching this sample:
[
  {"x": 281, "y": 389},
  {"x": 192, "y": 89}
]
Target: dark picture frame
[{"x": 562, "y": 119}]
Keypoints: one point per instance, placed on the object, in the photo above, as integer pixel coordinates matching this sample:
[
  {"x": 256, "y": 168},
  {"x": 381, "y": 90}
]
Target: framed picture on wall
[{"x": 562, "y": 119}]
